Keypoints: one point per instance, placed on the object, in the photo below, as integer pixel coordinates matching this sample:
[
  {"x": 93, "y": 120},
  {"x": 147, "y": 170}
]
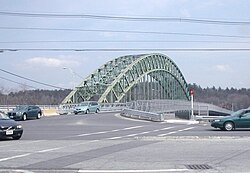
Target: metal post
[{"x": 192, "y": 104}]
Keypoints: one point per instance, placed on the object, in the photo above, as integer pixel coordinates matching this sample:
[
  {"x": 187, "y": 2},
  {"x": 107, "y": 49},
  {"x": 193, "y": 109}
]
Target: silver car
[{"x": 87, "y": 107}]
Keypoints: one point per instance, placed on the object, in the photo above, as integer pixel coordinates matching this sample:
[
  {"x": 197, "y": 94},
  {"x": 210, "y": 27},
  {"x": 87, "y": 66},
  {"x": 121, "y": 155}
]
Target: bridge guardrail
[
  {"x": 146, "y": 106},
  {"x": 104, "y": 107},
  {"x": 206, "y": 118}
]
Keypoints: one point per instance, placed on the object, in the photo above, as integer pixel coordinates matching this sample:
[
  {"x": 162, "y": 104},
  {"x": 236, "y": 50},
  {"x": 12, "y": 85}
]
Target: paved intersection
[{"x": 107, "y": 142}]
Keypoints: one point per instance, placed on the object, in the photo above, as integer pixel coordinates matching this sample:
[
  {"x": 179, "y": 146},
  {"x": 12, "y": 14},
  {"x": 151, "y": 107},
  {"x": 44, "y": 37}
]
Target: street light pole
[{"x": 74, "y": 74}]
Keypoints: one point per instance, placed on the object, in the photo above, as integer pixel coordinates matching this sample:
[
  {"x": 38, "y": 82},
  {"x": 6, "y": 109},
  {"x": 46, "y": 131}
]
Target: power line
[
  {"x": 17, "y": 82},
  {"x": 31, "y": 79},
  {"x": 121, "y": 41},
  {"x": 128, "y": 18},
  {"x": 125, "y": 49},
  {"x": 124, "y": 31}
]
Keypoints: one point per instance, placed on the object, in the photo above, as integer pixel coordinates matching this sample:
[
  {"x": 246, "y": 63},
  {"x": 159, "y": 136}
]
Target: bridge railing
[
  {"x": 104, "y": 107},
  {"x": 161, "y": 106},
  {"x": 180, "y": 108},
  {"x": 149, "y": 106}
]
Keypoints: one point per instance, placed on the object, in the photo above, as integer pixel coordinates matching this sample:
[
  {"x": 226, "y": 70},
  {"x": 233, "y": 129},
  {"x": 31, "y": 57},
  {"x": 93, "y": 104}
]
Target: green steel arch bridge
[{"x": 132, "y": 77}]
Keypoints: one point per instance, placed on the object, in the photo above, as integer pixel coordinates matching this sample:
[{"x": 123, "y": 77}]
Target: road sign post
[{"x": 192, "y": 103}]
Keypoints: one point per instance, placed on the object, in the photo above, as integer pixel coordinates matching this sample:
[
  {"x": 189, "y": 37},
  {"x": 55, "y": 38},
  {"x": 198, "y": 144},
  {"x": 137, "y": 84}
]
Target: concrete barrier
[
  {"x": 50, "y": 112},
  {"x": 142, "y": 115}
]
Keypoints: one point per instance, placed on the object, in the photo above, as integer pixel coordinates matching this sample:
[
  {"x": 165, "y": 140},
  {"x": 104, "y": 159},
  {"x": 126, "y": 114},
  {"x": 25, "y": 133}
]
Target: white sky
[{"x": 219, "y": 69}]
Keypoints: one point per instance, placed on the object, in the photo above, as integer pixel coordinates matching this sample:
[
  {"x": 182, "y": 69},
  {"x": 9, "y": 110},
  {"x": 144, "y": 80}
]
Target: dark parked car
[
  {"x": 239, "y": 119},
  {"x": 25, "y": 112},
  {"x": 9, "y": 127}
]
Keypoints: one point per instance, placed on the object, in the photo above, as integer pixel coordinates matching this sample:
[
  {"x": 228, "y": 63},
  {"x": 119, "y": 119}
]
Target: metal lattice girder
[{"x": 132, "y": 77}]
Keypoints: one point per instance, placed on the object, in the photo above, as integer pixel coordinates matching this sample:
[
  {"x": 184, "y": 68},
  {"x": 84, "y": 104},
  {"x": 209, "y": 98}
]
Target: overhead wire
[
  {"x": 17, "y": 82},
  {"x": 127, "y": 18},
  {"x": 125, "y": 31},
  {"x": 2, "y": 50},
  {"x": 121, "y": 41},
  {"x": 41, "y": 83}
]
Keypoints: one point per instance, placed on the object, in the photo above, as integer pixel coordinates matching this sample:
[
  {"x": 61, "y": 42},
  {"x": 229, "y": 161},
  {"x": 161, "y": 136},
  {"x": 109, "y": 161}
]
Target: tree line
[
  {"x": 232, "y": 98},
  {"x": 34, "y": 97}
]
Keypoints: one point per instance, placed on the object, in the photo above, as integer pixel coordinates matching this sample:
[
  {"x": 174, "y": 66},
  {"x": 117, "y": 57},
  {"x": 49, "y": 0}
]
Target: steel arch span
[{"x": 132, "y": 77}]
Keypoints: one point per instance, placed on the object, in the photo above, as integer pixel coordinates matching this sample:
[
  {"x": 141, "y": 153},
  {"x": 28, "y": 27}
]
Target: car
[
  {"x": 9, "y": 127},
  {"x": 24, "y": 112},
  {"x": 87, "y": 107},
  {"x": 239, "y": 119}
]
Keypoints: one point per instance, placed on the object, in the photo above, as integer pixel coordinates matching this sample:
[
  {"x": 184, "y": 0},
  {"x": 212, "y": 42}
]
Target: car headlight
[
  {"x": 19, "y": 126},
  {"x": 216, "y": 120}
]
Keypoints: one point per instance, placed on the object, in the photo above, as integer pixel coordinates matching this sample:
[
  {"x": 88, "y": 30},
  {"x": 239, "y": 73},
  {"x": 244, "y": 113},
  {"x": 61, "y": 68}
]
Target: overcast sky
[{"x": 206, "y": 68}]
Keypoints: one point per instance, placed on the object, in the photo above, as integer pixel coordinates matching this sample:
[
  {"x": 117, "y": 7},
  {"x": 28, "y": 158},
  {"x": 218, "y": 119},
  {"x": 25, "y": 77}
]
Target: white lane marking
[
  {"x": 109, "y": 131},
  {"x": 132, "y": 170},
  {"x": 135, "y": 127},
  {"x": 167, "y": 128},
  {"x": 118, "y": 137},
  {"x": 48, "y": 150},
  {"x": 189, "y": 128},
  {"x": 53, "y": 149},
  {"x": 21, "y": 143},
  {"x": 142, "y": 133},
  {"x": 18, "y": 171},
  {"x": 45, "y": 151},
  {"x": 14, "y": 157},
  {"x": 173, "y": 132}
]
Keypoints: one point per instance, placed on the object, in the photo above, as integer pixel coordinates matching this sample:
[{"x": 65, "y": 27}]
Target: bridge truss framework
[{"x": 133, "y": 77}]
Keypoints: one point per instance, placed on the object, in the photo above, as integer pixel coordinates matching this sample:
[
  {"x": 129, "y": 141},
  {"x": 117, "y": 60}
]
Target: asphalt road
[{"x": 107, "y": 142}]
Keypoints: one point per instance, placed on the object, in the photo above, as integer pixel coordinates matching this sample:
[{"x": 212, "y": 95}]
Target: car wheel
[
  {"x": 39, "y": 115},
  {"x": 228, "y": 126},
  {"x": 75, "y": 113},
  {"x": 97, "y": 111},
  {"x": 24, "y": 117},
  {"x": 87, "y": 111}
]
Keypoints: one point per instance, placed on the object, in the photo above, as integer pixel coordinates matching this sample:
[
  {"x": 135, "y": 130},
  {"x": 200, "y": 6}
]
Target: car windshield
[
  {"x": 84, "y": 104},
  {"x": 21, "y": 107},
  {"x": 3, "y": 116},
  {"x": 237, "y": 113}
]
